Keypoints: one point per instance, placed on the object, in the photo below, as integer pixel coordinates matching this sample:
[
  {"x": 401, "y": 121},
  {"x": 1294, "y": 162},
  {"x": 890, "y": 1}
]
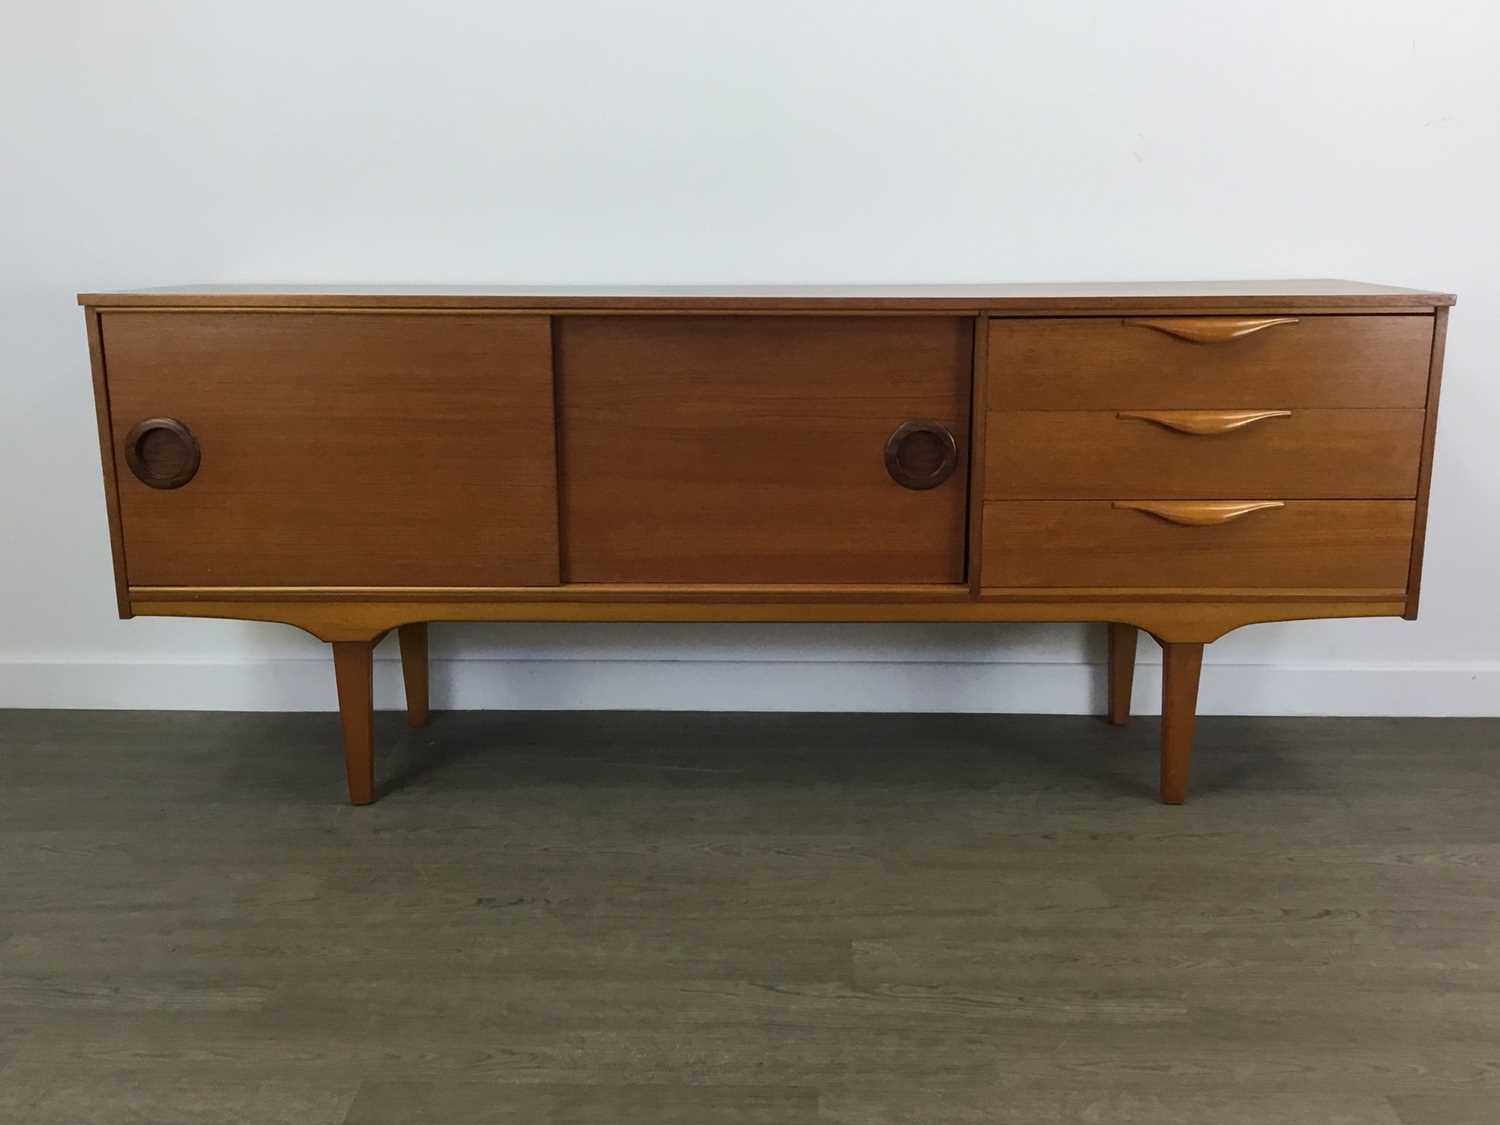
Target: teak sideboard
[{"x": 1179, "y": 458}]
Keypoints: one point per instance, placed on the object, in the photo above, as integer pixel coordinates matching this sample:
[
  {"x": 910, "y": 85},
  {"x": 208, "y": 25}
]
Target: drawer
[
  {"x": 1297, "y": 454},
  {"x": 337, "y": 449},
  {"x": 1303, "y": 544},
  {"x": 1209, "y": 363}
]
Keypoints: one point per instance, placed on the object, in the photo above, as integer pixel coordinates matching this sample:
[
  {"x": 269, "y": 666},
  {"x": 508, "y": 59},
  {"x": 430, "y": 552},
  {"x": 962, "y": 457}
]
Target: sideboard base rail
[{"x": 1183, "y": 621}]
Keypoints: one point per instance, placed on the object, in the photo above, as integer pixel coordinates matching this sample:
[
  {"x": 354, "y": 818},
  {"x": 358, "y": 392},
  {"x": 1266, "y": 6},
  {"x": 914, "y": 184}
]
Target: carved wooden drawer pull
[
  {"x": 1203, "y": 421},
  {"x": 162, "y": 452},
  {"x": 1199, "y": 513},
  {"x": 1211, "y": 329},
  {"x": 921, "y": 454}
]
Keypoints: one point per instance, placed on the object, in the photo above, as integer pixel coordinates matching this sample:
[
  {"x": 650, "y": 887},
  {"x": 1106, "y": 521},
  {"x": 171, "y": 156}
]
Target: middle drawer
[{"x": 1297, "y": 454}]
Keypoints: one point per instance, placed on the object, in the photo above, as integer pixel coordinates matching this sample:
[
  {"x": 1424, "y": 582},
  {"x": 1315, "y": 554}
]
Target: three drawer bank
[{"x": 1181, "y": 458}]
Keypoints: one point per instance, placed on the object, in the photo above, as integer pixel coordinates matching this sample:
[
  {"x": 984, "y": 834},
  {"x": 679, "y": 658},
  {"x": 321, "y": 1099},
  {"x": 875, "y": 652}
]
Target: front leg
[
  {"x": 1181, "y": 665},
  {"x": 353, "y": 669}
]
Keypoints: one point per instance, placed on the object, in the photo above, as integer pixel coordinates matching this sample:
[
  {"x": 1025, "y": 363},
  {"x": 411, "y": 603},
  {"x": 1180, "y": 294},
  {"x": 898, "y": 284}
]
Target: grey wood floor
[{"x": 747, "y": 918}]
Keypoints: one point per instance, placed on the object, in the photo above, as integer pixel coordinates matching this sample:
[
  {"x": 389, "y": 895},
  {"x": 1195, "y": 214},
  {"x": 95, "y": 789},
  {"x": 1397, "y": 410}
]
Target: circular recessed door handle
[
  {"x": 921, "y": 454},
  {"x": 162, "y": 452}
]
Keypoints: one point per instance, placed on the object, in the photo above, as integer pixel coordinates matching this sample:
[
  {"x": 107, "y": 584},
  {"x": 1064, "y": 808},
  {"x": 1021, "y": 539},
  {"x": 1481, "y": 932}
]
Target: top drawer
[{"x": 1202, "y": 362}]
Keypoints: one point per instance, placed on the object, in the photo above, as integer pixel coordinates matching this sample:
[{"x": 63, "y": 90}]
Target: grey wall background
[{"x": 160, "y": 143}]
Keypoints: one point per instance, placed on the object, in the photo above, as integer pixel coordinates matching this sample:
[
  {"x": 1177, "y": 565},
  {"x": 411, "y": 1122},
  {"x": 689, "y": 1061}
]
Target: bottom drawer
[{"x": 1309, "y": 544}]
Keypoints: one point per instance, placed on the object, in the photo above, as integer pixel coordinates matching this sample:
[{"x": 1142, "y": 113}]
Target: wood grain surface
[
  {"x": 708, "y": 449},
  {"x": 1349, "y": 543},
  {"x": 1096, "y": 454},
  {"x": 1076, "y": 363},
  {"x": 1173, "y": 613},
  {"x": 349, "y": 449}
]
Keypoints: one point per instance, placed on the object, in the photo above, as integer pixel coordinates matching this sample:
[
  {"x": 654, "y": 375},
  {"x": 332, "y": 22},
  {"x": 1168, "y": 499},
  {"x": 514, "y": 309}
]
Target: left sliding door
[{"x": 333, "y": 448}]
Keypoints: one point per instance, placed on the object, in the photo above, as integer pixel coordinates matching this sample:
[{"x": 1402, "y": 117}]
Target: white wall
[{"x": 688, "y": 141}]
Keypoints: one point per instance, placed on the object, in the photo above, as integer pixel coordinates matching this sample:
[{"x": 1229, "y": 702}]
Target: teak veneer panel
[
  {"x": 1309, "y": 454},
  {"x": 1093, "y": 543},
  {"x": 725, "y": 449},
  {"x": 1107, "y": 363},
  {"x": 340, "y": 450}
]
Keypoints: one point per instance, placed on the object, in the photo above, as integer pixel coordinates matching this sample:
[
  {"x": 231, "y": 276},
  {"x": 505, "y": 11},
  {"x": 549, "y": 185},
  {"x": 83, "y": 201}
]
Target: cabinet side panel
[
  {"x": 1424, "y": 479},
  {"x": 107, "y": 459}
]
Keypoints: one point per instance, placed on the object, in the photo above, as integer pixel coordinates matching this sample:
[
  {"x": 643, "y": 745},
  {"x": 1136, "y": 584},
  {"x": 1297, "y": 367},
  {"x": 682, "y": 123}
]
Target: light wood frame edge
[
  {"x": 784, "y": 594},
  {"x": 932, "y": 307},
  {"x": 1190, "y": 622}
]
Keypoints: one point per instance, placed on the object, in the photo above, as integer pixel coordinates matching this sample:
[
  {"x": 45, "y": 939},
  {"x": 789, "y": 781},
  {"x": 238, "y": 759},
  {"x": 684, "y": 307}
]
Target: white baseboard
[{"x": 295, "y": 684}]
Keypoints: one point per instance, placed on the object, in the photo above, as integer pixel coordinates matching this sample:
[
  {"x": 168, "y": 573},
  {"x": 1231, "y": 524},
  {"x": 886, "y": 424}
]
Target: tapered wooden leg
[
  {"x": 413, "y": 640},
  {"x": 1181, "y": 664},
  {"x": 1121, "y": 671},
  {"x": 352, "y": 668}
]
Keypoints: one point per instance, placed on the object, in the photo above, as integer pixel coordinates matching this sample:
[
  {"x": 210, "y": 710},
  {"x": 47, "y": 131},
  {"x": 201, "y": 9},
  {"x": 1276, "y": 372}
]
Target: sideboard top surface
[{"x": 1205, "y": 296}]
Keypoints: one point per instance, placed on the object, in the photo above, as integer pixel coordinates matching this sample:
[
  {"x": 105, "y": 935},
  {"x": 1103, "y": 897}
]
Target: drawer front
[
  {"x": 1297, "y": 454},
  {"x": 338, "y": 449},
  {"x": 751, "y": 449},
  {"x": 1209, "y": 363},
  {"x": 1306, "y": 544}
]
